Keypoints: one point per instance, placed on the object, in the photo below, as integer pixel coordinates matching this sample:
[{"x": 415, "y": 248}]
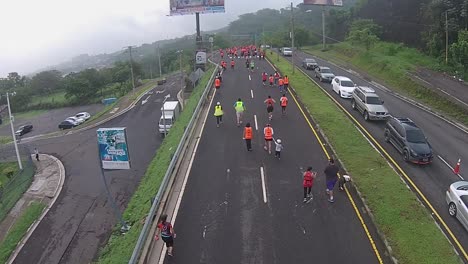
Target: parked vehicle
[
  {"x": 309, "y": 64},
  {"x": 343, "y": 86},
  {"x": 83, "y": 115},
  {"x": 162, "y": 81},
  {"x": 77, "y": 120},
  {"x": 66, "y": 124},
  {"x": 457, "y": 200},
  {"x": 23, "y": 130},
  {"x": 169, "y": 113},
  {"x": 366, "y": 101},
  {"x": 324, "y": 74},
  {"x": 409, "y": 140},
  {"x": 287, "y": 51}
]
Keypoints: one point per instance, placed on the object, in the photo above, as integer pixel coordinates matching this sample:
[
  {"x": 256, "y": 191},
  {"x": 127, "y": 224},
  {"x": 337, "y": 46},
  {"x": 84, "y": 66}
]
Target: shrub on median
[
  {"x": 407, "y": 225},
  {"x": 120, "y": 247}
]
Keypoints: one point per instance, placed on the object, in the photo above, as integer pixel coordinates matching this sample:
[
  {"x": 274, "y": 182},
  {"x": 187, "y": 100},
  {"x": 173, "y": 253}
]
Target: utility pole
[
  {"x": 292, "y": 38},
  {"x": 159, "y": 61},
  {"x": 323, "y": 28},
  {"x": 446, "y": 37},
  {"x": 131, "y": 67},
  {"x": 181, "y": 73},
  {"x": 12, "y": 119}
]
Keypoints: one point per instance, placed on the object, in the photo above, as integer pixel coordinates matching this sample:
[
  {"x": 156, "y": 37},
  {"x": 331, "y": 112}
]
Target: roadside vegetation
[
  {"x": 19, "y": 229},
  {"x": 119, "y": 248},
  {"x": 398, "y": 214}
]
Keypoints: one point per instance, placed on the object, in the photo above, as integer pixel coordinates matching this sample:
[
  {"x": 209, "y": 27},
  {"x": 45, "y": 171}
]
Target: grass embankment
[
  {"x": 390, "y": 63},
  {"x": 19, "y": 229},
  {"x": 5, "y": 139},
  {"x": 407, "y": 225},
  {"x": 15, "y": 185},
  {"x": 120, "y": 247}
]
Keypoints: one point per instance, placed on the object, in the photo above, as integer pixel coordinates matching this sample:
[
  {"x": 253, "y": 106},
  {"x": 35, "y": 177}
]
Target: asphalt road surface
[
  {"x": 48, "y": 122},
  {"x": 223, "y": 216},
  {"x": 81, "y": 220},
  {"x": 449, "y": 143}
]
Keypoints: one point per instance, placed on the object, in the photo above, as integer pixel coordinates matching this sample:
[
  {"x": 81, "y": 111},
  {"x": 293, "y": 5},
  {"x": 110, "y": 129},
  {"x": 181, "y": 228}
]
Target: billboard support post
[
  {"x": 292, "y": 38},
  {"x": 198, "y": 38},
  {"x": 323, "y": 28}
]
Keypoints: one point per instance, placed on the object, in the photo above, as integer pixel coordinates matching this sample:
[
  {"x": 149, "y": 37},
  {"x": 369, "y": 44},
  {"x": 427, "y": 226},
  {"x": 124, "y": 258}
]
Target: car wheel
[
  {"x": 339, "y": 93},
  {"x": 366, "y": 116},
  {"x": 452, "y": 210},
  {"x": 353, "y": 104},
  {"x": 406, "y": 155},
  {"x": 387, "y": 136}
]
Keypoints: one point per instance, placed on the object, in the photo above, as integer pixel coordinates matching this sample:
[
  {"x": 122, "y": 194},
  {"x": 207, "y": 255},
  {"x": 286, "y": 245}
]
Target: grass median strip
[
  {"x": 390, "y": 63},
  {"x": 120, "y": 247},
  {"x": 407, "y": 225},
  {"x": 19, "y": 229}
]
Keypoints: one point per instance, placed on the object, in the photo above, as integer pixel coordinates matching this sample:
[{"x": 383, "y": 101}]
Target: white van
[{"x": 169, "y": 113}]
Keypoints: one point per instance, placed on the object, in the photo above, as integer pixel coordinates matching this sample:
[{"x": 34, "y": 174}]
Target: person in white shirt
[{"x": 278, "y": 148}]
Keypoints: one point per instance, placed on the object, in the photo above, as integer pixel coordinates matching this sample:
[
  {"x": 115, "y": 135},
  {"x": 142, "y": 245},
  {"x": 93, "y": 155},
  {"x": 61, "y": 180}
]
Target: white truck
[{"x": 169, "y": 113}]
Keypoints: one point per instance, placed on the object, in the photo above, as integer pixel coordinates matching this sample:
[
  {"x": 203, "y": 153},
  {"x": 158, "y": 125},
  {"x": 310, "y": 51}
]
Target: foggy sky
[{"x": 48, "y": 32}]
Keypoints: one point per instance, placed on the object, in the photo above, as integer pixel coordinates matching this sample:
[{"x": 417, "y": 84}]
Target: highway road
[
  {"x": 81, "y": 220},
  {"x": 449, "y": 143},
  {"x": 231, "y": 214}
]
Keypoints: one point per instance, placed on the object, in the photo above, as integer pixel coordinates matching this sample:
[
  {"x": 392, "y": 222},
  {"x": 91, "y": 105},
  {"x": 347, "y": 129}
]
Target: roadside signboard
[
  {"x": 200, "y": 57},
  {"x": 113, "y": 148},
  {"x": 187, "y": 7},
  {"x": 324, "y": 2}
]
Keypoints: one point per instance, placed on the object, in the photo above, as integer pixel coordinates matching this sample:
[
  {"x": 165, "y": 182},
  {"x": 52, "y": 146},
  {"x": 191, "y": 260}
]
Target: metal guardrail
[{"x": 148, "y": 222}]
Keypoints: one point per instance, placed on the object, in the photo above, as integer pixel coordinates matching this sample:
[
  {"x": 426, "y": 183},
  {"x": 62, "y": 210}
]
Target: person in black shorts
[
  {"x": 270, "y": 102},
  {"x": 167, "y": 233}
]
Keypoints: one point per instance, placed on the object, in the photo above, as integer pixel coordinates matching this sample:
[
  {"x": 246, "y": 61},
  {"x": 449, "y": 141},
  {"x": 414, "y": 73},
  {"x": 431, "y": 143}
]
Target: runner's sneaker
[
  {"x": 305, "y": 200},
  {"x": 331, "y": 200}
]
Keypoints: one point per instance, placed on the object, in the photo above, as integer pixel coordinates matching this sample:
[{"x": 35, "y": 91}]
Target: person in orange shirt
[
  {"x": 284, "y": 103},
  {"x": 280, "y": 84},
  {"x": 217, "y": 83},
  {"x": 286, "y": 83},
  {"x": 268, "y": 133},
  {"x": 248, "y": 134},
  {"x": 271, "y": 79}
]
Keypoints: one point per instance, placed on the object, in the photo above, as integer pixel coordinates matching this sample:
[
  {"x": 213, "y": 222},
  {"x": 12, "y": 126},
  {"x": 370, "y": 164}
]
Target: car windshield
[
  {"x": 325, "y": 70},
  {"x": 309, "y": 60},
  {"x": 286, "y": 49},
  {"x": 347, "y": 84},
  {"x": 374, "y": 100},
  {"x": 168, "y": 121},
  {"x": 464, "y": 198},
  {"x": 415, "y": 136}
]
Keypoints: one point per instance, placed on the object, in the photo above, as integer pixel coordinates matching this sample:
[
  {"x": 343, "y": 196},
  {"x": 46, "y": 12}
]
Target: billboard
[
  {"x": 324, "y": 2},
  {"x": 187, "y": 7},
  {"x": 113, "y": 149},
  {"x": 200, "y": 57}
]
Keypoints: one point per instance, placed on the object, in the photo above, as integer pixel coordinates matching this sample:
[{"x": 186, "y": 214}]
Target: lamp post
[
  {"x": 292, "y": 38},
  {"x": 12, "y": 119}
]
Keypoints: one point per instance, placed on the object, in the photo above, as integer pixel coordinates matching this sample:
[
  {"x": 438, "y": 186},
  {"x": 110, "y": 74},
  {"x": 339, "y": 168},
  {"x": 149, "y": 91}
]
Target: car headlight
[{"x": 413, "y": 153}]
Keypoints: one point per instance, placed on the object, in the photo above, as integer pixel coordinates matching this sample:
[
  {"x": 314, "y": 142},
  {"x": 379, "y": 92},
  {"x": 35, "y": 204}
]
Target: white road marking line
[
  {"x": 250, "y": 78},
  {"x": 146, "y": 100},
  {"x": 256, "y": 124},
  {"x": 263, "y": 185},
  {"x": 182, "y": 190},
  {"x": 251, "y": 93},
  {"x": 450, "y": 167}
]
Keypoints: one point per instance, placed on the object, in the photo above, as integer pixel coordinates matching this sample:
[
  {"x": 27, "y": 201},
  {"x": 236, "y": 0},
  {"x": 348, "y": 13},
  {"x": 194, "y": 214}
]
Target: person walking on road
[
  {"x": 280, "y": 84},
  {"x": 283, "y": 103},
  {"x": 277, "y": 76},
  {"x": 270, "y": 103},
  {"x": 36, "y": 153},
  {"x": 286, "y": 83},
  {"x": 240, "y": 108},
  {"x": 248, "y": 134},
  {"x": 218, "y": 112},
  {"x": 278, "y": 148},
  {"x": 217, "y": 83},
  {"x": 233, "y": 63},
  {"x": 252, "y": 65},
  {"x": 268, "y": 133},
  {"x": 331, "y": 175},
  {"x": 271, "y": 79},
  {"x": 264, "y": 78},
  {"x": 167, "y": 233},
  {"x": 307, "y": 183}
]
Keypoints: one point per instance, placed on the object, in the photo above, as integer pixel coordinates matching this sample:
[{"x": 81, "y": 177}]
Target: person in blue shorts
[{"x": 331, "y": 176}]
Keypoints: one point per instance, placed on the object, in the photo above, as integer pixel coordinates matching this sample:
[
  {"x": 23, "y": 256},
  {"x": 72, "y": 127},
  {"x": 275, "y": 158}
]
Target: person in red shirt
[
  {"x": 271, "y": 79},
  {"x": 283, "y": 103},
  {"x": 232, "y": 64},
  {"x": 270, "y": 102},
  {"x": 277, "y": 76},
  {"x": 167, "y": 233},
  {"x": 264, "y": 77},
  {"x": 217, "y": 83},
  {"x": 307, "y": 183}
]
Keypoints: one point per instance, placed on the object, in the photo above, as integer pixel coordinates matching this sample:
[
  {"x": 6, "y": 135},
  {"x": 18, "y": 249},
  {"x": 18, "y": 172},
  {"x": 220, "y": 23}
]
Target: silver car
[
  {"x": 324, "y": 74},
  {"x": 366, "y": 101},
  {"x": 457, "y": 200}
]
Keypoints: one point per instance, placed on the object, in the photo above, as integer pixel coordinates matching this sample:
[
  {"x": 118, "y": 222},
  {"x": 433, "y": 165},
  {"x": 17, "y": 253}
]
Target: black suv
[
  {"x": 23, "y": 130},
  {"x": 409, "y": 140}
]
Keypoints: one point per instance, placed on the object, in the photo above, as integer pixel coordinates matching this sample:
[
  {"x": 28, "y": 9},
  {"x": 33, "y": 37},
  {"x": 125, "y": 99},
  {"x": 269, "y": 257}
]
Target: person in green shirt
[
  {"x": 240, "y": 108},
  {"x": 218, "y": 112}
]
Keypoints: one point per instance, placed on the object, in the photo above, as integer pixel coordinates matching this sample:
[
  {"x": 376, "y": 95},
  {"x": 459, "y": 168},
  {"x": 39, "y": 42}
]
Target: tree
[
  {"x": 83, "y": 86},
  {"x": 363, "y": 32},
  {"x": 459, "y": 50},
  {"x": 301, "y": 37},
  {"x": 46, "y": 82}
]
